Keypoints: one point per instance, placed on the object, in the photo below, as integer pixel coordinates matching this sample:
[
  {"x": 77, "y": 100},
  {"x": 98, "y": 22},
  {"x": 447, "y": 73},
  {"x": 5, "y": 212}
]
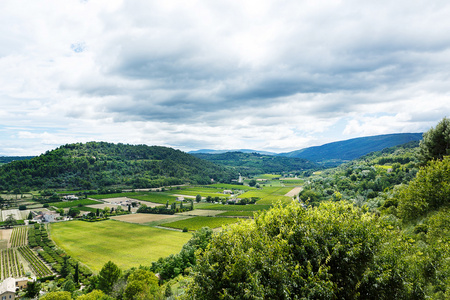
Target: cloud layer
[{"x": 271, "y": 75}]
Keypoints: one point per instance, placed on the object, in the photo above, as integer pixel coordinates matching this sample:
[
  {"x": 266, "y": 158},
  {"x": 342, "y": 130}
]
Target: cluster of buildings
[{"x": 10, "y": 286}]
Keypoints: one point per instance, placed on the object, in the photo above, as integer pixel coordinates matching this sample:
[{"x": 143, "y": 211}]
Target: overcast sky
[{"x": 275, "y": 75}]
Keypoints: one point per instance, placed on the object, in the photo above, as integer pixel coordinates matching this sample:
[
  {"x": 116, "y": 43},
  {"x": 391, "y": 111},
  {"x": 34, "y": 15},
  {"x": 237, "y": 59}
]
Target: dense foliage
[
  {"x": 333, "y": 251},
  {"x": 366, "y": 181},
  {"x": 255, "y": 163},
  {"x": 100, "y": 164},
  {"x": 429, "y": 191},
  {"x": 436, "y": 142}
]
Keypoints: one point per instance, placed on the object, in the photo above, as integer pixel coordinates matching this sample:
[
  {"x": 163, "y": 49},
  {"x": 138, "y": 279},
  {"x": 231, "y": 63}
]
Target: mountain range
[{"x": 336, "y": 153}]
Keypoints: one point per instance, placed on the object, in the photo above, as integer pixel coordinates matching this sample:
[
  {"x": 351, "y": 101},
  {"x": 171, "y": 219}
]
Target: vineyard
[
  {"x": 39, "y": 268},
  {"x": 19, "y": 237},
  {"x": 10, "y": 264}
]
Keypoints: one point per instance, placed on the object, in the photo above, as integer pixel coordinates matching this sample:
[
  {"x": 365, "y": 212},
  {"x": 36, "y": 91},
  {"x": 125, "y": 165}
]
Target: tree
[
  {"x": 429, "y": 191},
  {"x": 76, "y": 276},
  {"x": 198, "y": 198},
  {"x": 141, "y": 283},
  {"x": 57, "y": 296},
  {"x": 10, "y": 221},
  {"x": 108, "y": 275},
  {"x": 252, "y": 182},
  {"x": 73, "y": 212},
  {"x": 95, "y": 295},
  {"x": 30, "y": 216},
  {"x": 436, "y": 142},
  {"x": 325, "y": 252},
  {"x": 32, "y": 290}
]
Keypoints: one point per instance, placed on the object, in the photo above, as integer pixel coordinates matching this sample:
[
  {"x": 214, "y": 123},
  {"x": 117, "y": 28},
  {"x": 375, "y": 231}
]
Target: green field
[
  {"x": 269, "y": 195},
  {"x": 225, "y": 186},
  {"x": 127, "y": 245},
  {"x": 267, "y": 176},
  {"x": 117, "y": 195},
  {"x": 248, "y": 207},
  {"x": 74, "y": 203},
  {"x": 237, "y": 214},
  {"x": 156, "y": 198},
  {"x": 197, "y": 223}
]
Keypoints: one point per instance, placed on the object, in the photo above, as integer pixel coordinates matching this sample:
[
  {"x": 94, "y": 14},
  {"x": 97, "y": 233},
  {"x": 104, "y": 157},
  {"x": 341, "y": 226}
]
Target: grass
[
  {"x": 127, "y": 245},
  {"x": 248, "y": 207},
  {"x": 197, "y": 223},
  {"x": 225, "y": 186},
  {"x": 118, "y": 195},
  {"x": 237, "y": 214},
  {"x": 74, "y": 203},
  {"x": 160, "y": 198},
  {"x": 267, "y": 176}
]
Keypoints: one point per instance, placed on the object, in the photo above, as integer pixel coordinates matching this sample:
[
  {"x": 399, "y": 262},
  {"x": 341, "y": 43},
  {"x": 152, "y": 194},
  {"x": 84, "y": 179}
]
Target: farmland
[
  {"x": 74, "y": 203},
  {"x": 196, "y": 223},
  {"x": 127, "y": 245}
]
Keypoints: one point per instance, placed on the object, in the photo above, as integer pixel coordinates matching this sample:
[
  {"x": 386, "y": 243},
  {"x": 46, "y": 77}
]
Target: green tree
[
  {"x": 73, "y": 212},
  {"x": 57, "y": 296},
  {"x": 436, "y": 142},
  {"x": 140, "y": 284},
  {"x": 108, "y": 276},
  {"x": 252, "y": 182},
  {"x": 325, "y": 252},
  {"x": 94, "y": 295},
  {"x": 198, "y": 198},
  {"x": 428, "y": 191},
  {"x": 32, "y": 290},
  {"x": 10, "y": 221},
  {"x": 30, "y": 216}
]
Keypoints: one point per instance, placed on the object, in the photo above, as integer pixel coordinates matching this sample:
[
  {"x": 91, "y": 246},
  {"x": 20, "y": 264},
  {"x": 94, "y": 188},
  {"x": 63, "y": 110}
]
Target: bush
[{"x": 185, "y": 229}]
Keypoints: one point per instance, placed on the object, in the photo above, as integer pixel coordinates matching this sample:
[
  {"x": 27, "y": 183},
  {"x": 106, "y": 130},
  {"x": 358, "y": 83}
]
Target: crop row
[
  {"x": 19, "y": 236},
  {"x": 39, "y": 268},
  {"x": 10, "y": 264}
]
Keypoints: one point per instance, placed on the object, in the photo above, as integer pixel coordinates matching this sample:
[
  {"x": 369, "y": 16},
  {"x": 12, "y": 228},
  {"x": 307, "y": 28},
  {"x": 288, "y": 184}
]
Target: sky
[{"x": 267, "y": 75}]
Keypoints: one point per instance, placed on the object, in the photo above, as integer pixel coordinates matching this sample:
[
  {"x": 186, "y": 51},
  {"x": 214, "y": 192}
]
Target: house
[
  {"x": 21, "y": 283},
  {"x": 8, "y": 289},
  {"x": 70, "y": 197},
  {"x": 180, "y": 198},
  {"x": 46, "y": 216},
  {"x": 228, "y": 192}
]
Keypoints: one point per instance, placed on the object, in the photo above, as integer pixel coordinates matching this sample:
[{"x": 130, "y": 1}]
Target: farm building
[
  {"x": 70, "y": 198},
  {"x": 228, "y": 192},
  {"x": 46, "y": 216},
  {"x": 8, "y": 289}
]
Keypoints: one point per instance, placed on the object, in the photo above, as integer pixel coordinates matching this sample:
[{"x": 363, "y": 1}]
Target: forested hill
[
  {"x": 100, "y": 164},
  {"x": 354, "y": 148},
  {"x": 8, "y": 159},
  {"x": 254, "y": 163}
]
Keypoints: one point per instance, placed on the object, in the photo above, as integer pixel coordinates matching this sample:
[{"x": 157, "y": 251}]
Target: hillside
[
  {"x": 254, "y": 163},
  {"x": 100, "y": 164},
  {"x": 8, "y": 159},
  {"x": 211, "y": 151},
  {"x": 339, "y": 152}
]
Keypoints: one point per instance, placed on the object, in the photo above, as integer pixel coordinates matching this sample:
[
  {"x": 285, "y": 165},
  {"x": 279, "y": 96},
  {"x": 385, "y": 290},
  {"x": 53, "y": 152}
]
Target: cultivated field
[
  {"x": 201, "y": 213},
  {"x": 127, "y": 245},
  {"x": 197, "y": 223},
  {"x": 142, "y": 218}
]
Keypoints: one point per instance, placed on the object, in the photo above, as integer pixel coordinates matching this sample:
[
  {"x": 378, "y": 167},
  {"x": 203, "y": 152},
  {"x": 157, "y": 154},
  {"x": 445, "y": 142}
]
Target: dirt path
[{"x": 294, "y": 191}]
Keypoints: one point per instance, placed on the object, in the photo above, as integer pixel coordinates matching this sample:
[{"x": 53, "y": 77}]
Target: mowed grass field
[
  {"x": 127, "y": 245},
  {"x": 197, "y": 223}
]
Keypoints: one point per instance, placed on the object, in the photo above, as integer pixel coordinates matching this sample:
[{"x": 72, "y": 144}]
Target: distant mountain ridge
[
  {"x": 347, "y": 150},
  {"x": 211, "y": 151}
]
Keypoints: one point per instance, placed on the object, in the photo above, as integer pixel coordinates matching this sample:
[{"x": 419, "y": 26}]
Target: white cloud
[{"x": 266, "y": 74}]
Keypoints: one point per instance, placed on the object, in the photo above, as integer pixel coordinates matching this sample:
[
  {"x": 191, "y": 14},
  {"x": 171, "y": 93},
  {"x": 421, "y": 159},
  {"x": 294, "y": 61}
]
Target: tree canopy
[
  {"x": 333, "y": 251},
  {"x": 436, "y": 142}
]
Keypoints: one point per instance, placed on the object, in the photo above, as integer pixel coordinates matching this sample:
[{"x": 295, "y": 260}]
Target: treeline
[
  {"x": 255, "y": 163},
  {"x": 98, "y": 165}
]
